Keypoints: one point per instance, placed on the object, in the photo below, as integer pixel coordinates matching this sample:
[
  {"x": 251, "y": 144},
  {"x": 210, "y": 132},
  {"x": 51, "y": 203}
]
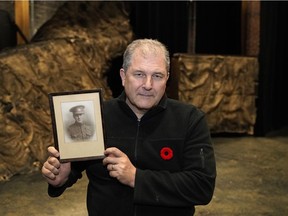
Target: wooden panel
[
  {"x": 250, "y": 28},
  {"x": 22, "y": 19}
]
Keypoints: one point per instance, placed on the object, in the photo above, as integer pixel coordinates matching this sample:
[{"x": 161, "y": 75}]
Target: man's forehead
[{"x": 148, "y": 65}]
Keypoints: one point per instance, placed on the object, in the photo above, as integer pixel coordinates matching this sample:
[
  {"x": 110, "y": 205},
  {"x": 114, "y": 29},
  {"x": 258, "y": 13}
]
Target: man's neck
[{"x": 138, "y": 112}]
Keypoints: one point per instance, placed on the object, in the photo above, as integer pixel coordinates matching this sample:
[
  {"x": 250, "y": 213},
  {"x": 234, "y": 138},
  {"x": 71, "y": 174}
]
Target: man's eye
[
  {"x": 158, "y": 76},
  {"x": 139, "y": 75}
]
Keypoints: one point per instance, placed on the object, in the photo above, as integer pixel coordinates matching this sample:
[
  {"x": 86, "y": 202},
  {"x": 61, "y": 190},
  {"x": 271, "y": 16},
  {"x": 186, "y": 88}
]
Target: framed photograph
[{"x": 77, "y": 124}]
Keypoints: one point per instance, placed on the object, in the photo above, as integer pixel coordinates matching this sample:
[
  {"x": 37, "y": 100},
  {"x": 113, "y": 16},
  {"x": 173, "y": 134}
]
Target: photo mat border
[{"x": 80, "y": 150}]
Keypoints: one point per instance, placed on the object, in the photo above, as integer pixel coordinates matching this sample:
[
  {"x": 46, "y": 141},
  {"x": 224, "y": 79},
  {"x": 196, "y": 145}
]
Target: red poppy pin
[{"x": 166, "y": 153}]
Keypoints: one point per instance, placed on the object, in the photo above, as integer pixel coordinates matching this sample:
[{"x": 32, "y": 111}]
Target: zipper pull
[{"x": 202, "y": 158}]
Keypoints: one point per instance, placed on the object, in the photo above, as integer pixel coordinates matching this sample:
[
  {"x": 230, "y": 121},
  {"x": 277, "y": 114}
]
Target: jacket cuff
[{"x": 57, "y": 191}]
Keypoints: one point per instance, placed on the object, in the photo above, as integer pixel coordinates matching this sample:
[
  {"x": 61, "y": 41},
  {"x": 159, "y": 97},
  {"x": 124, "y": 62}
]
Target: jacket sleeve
[
  {"x": 75, "y": 174},
  {"x": 193, "y": 184}
]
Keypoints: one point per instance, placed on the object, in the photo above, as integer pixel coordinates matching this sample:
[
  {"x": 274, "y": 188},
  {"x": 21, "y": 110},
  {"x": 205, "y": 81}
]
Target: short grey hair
[{"x": 146, "y": 46}]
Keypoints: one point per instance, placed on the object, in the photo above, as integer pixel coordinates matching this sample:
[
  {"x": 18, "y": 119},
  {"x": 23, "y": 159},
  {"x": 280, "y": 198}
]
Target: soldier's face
[{"x": 79, "y": 118}]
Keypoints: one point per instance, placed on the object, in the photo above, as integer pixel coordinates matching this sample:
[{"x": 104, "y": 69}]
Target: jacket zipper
[
  {"x": 135, "y": 153},
  {"x": 136, "y": 143}
]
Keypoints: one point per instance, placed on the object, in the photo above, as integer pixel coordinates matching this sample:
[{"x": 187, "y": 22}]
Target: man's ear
[{"x": 123, "y": 76}]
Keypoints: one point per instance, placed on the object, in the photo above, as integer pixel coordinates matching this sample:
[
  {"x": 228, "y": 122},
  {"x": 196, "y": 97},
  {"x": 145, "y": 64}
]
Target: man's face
[
  {"x": 144, "y": 82},
  {"x": 79, "y": 118}
]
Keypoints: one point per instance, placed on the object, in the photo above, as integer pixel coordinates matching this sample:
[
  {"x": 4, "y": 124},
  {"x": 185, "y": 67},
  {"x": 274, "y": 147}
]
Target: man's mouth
[{"x": 146, "y": 95}]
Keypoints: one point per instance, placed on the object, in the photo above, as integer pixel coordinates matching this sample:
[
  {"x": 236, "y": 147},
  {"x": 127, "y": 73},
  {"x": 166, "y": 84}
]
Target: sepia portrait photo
[
  {"x": 78, "y": 118},
  {"x": 77, "y": 124}
]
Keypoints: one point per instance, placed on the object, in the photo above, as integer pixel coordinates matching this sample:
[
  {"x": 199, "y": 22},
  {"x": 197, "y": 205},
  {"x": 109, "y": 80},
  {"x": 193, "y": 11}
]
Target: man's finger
[
  {"x": 110, "y": 160},
  {"x": 53, "y": 151},
  {"x": 112, "y": 151}
]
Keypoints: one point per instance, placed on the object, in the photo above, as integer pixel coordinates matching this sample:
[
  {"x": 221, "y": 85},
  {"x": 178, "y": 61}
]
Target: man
[
  {"x": 79, "y": 130},
  {"x": 159, "y": 156}
]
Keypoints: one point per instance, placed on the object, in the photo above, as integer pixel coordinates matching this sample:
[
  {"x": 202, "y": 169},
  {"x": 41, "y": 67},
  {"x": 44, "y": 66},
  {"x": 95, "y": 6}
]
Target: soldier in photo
[{"x": 80, "y": 130}]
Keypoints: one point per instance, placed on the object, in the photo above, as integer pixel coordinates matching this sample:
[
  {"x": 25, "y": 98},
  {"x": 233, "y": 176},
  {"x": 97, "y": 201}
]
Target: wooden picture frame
[{"x": 77, "y": 124}]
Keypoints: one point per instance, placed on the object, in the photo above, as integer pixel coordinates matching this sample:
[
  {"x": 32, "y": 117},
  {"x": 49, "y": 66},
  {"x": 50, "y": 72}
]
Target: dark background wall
[
  {"x": 218, "y": 27},
  {"x": 218, "y": 31},
  {"x": 273, "y": 76}
]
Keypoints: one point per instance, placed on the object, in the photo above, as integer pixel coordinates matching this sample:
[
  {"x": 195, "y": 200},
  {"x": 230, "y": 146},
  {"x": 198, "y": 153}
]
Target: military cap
[{"x": 77, "y": 109}]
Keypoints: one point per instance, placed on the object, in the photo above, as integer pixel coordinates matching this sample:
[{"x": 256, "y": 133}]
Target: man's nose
[{"x": 148, "y": 82}]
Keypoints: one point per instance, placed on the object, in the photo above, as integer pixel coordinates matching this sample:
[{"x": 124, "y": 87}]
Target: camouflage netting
[
  {"x": 224, "y": 87},
  {"x": 71, "y": 51}
]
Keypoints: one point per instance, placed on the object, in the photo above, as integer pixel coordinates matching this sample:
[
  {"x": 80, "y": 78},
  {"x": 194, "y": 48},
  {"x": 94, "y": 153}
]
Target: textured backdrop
[
  {"x": 71, "y": 51},
  {"x": 224, "y": 87}
]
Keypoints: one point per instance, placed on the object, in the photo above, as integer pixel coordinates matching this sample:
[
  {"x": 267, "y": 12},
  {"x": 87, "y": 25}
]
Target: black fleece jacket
[{"x": 172, "y": 150}]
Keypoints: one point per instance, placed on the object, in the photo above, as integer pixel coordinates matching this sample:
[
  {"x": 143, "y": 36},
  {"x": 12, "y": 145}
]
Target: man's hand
[
  {"x": 119, "y": 166},
  {"x": 54, "y": 172}
]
